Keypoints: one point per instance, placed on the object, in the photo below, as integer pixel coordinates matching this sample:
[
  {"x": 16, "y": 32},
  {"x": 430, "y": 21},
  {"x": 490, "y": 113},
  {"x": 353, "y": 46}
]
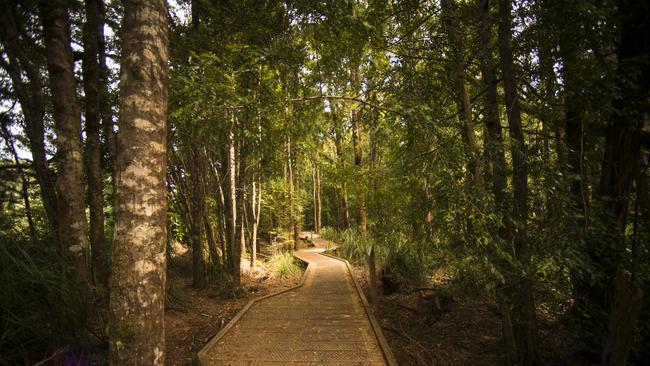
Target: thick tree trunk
[
  {"x": 139, "y": 262},
  {"x": 458, "y": 80},
  {"x": 523, "y": 312},
  {"x": 69, "y": 183},
  {"x": 92, "y": 83},
  {"x": 619, "y": 169}
]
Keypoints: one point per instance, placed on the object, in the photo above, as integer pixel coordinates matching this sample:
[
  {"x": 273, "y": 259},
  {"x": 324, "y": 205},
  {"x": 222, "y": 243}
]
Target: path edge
[
  {"x": 202, "y": 354},
  {"x": 376, "y": 328}
]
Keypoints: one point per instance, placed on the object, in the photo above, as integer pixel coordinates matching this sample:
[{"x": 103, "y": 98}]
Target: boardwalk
[{"x": 322, "y": 322}]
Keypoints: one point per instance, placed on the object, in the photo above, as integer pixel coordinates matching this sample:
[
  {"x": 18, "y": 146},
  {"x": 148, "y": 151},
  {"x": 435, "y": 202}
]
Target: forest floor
[
  {"x": 439, "y": 327},
  {"x": 197, "y": 315}
]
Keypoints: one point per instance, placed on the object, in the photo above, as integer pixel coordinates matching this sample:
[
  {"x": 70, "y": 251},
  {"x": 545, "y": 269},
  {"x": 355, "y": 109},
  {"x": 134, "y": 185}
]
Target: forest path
[{"x": 324, "y": 321}]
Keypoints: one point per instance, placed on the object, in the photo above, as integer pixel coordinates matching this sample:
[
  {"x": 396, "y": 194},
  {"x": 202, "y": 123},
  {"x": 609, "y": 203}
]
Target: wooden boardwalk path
[{"x": 323, "y": 321}]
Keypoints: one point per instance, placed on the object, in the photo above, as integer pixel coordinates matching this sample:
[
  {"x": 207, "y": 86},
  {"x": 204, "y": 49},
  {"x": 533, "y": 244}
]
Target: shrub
[{"x": 284, "y": 265}]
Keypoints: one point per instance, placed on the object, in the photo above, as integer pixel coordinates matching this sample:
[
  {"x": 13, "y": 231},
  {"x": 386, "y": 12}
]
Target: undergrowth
[
  {"x": 41, "y": 308},
  {"x": 396, "y": 253},
  {"x": 284, "y": 265}
]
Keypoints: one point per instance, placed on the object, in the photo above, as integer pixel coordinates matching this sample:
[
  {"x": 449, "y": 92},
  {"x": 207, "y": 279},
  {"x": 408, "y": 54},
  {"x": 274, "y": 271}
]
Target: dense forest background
[{"x": 500, "y": 144}]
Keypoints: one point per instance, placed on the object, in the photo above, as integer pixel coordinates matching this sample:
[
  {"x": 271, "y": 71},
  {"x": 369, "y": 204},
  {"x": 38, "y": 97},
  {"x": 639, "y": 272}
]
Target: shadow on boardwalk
[{"x": 321, "y": 322}]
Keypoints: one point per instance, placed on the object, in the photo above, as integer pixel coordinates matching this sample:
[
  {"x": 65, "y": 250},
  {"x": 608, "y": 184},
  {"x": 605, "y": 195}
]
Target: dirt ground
[
  {"x": 196, "y": 315},
  {"x": 435, "y": 327}
]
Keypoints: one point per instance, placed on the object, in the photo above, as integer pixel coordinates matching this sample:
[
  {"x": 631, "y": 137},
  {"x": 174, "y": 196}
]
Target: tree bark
[
  {"x": 256, "y": 208},
  {"x": 137, "y": 335},
  {"x": 92, "y": 83},
  {"x": 197, "y": 217},
  {"x": 231, "y": 209},
  {"x": 496, "y": 155},
  {"x": 619, "y": 170},
  {"x": 343, "y": 216},
  {"x": 292, "y": 203},
  {"x": 458, "y": 78},
  {"x": 523, "y": 315},
  {"x": 319, "y": 210},
  {"x": 362, "y": 220},
  {"x": 67, "y": 117}
]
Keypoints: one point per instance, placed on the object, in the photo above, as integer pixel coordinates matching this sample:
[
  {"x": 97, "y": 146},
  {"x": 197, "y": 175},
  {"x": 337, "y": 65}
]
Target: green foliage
[{"x": 284, "y": 265}]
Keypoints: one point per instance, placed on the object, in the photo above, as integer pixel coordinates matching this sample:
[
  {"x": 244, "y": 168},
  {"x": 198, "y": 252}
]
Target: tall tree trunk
[
  {"x": 256, "y": 207},
  {"x": 197, "y": 217},
  {"x": 292, "y": 204},
  {"x": 315, "y": 204},
  {"x": 104, "y": 94},
  {"x": 69, "y": 183},
  {"x": 319, "y": 210},
  {"x": 297, "y": 222},
  {"x": 619, "y": 169},
  {"x": 231, "y": 209},
  {"x": 32, "y": 100},
  {"x": 496, "y": 155},
  {"x": 241, "y": 199},
  {"x": 458, "y": 80},
  {"x": 137, "y": 303},
  {"x": 362, "y": 220},
  {"x": 341, "y": 196},
  {"x": 523, "y": 316},
  {"x": 92, "y": 82}
]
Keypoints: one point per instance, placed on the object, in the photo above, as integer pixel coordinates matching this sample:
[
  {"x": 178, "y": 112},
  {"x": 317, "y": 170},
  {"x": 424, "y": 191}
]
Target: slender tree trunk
[
  {"x": 69, "y": 184},
  {"x": 362, "y": 220},
  {"x": 496, "y": 154},
  {"x": 221, "y": 214},
  {"x": 241, "y": 201},
  {"x": 256, "y": 206},
  {"x": 342, "y": 200},
  {"x": 290, "y": 182},
  {"x": 319, "y": 211},
  {"x": 197, "y": 217},
  {"x": 297, "y": 222},
  {"x": 92, "y": 83},
  {"x": 458, "y": 79},
  {"x": 315, "y": 204},
  {"x": 231, "y": 210},
  {"x": 32, "y": 100},
  {"x": 524, "y": 321},
  {"x": 137, "y": 304}
]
